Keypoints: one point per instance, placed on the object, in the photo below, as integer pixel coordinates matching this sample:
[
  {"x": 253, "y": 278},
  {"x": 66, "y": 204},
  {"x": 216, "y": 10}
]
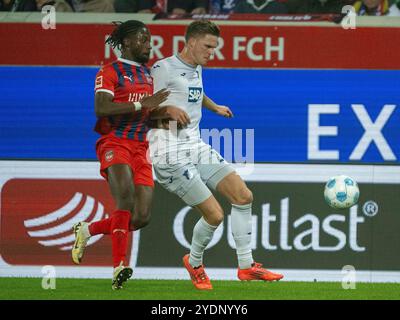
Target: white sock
[
  {"x": 241, "y": 231},
  {"x": 202, "y": 235}
]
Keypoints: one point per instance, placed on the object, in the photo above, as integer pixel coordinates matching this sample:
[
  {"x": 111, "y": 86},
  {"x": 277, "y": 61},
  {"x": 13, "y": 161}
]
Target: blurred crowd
[{"x": 362, "y": 7}]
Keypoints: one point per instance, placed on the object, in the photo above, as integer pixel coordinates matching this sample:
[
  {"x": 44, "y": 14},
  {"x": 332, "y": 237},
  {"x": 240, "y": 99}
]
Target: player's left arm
[{"x": 218, "y": 109}]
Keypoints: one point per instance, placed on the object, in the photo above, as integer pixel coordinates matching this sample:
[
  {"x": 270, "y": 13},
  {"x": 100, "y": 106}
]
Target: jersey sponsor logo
[
  {"x": 134, "y": 96},
  {"x": 99, "y": 82},
  {"x": 40, "y": 213},
  {"x": 194, "y": 94}
]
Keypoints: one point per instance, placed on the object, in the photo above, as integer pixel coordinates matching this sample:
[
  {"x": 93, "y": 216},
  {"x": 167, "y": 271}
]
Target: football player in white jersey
[{"x": 188, "y": 167}]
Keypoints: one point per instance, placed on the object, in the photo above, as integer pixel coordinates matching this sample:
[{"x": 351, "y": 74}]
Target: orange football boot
[
  {"x": 257, "y": 272},
  {"x": 199, "y": 277}
]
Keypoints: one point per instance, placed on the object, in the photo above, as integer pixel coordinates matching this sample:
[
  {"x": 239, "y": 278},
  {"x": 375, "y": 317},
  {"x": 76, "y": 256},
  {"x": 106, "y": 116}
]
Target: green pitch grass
[{"x": 96, "y": 289}]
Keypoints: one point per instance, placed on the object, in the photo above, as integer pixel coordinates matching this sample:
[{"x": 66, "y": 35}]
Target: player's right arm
[
  {"x": 104, "y": 105},
  {"x": 106, "y": 82}
]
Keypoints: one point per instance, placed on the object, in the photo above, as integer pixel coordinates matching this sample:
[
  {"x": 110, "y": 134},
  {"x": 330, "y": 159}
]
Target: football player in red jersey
[{"x": 124, "y": 100}]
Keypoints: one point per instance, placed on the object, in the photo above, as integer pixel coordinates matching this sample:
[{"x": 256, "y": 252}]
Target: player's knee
[{"x": 243, "y": 197}]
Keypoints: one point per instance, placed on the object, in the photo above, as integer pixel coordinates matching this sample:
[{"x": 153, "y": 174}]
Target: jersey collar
[{"x": 184, "y": 62}]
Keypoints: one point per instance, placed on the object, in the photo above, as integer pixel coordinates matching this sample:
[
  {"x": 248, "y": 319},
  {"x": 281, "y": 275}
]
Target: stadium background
[{"x": 287, "y": 81}]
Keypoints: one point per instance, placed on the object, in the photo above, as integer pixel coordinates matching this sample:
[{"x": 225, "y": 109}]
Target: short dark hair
[
  {"x": 201, "y": 28},
  {"x": 121, "y": 31}
]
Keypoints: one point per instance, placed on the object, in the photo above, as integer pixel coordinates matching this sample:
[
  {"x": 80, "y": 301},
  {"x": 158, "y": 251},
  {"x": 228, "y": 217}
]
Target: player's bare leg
[
  {"x": 235, "y": 190},
  {"x": 211, "y": 211},
  {"x": 120, "y": 181},
  {"x": 142, "y": 207},
  {"x": 212, "y": 216},
  {"x": 241, "y": 198}
]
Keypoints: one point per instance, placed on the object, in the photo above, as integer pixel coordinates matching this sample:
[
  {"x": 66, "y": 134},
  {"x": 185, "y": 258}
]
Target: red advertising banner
[
  {"x": 304, "y": 47},
  {"x": 37, "y": 216}
]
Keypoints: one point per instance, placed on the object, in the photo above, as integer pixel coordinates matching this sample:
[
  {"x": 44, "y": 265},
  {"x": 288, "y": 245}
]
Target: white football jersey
[{"x": 185, "y": 84}]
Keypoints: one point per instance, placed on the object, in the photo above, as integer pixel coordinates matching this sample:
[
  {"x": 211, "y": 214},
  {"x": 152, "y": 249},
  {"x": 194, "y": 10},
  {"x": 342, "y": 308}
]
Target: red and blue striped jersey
[{"x": 127, "y": 81}]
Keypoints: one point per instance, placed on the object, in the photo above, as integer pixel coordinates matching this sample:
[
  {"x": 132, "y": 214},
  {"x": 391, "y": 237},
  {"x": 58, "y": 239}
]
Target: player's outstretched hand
[
  {"x": 224, "y": 111},
  {"x": 155, "y": 100},
  {"x": 178, "y": 115}
]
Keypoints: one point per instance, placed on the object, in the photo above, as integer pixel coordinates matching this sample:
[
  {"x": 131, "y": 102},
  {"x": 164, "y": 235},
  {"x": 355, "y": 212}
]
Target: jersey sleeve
[
  {"x": 106, "y": 81},
  {"x": 159, "y": 72}
]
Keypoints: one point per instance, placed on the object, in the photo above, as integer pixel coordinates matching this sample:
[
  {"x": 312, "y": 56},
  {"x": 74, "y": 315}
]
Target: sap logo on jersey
[{"x": 194, "y": 94}]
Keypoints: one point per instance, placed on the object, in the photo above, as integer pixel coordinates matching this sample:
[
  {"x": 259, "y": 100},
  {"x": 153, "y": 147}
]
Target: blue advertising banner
[{"x": 297, "y": 115}]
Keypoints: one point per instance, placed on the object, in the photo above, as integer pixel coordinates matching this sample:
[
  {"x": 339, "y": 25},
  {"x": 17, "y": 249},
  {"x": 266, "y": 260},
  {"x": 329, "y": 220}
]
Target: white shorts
[{"x": 191, "y": 176}]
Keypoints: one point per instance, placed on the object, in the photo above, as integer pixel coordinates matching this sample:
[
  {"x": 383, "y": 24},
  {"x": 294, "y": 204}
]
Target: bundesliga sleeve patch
[{"x": 99, "y": 82}]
